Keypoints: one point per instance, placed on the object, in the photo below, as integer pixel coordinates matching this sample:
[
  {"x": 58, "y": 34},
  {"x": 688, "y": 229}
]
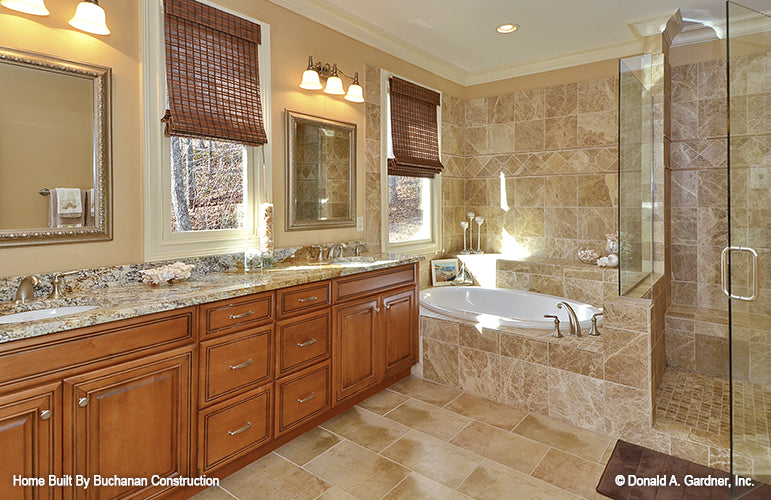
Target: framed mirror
[
  {"x": 55, "y": 150},
  {"x": 321, "y": 172}
]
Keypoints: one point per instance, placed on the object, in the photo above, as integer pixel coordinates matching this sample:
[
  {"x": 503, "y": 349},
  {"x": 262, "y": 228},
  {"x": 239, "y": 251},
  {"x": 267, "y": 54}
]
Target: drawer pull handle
[
  {"x": 306, "y": 344},
  {"x": 45, "y": 414},
  {"x": 83, "y": 402},
  {"x": 301, "y": 401},
  {"x": 242, "y": 315},
  {"x": 242, "y": 429},
  {"x": 242, "y": 365},
  {"x": 308, "y": 299}
]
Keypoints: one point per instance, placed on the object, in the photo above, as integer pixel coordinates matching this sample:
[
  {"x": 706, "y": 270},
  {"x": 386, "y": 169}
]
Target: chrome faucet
[
  {"x": 339, "y": 247},
  {"x": 26, "y": 289},
  {"x": 575, "y": 328}
]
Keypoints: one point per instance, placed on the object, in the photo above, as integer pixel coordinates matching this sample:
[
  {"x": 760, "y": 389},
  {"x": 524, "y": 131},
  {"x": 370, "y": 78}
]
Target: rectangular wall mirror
[
  {"x": 321, "y": 172},
  {"x": 55, "y": 143}
]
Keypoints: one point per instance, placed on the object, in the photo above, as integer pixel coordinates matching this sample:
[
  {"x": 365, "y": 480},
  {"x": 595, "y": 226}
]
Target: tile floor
[{"x": 420, "y": 440}]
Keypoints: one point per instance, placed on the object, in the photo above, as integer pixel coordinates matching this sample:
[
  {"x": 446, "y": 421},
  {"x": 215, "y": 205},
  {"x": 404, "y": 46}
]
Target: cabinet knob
[
  {"x": 45, "y": 414},
  {"x": 377, "y": 309},
  {"x": 83, "y": 402}
]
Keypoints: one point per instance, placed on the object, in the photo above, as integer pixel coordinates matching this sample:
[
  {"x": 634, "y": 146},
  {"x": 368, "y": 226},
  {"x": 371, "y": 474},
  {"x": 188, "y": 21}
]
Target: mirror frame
[
  {"x": 102, "y": 154},
  {"x": 292, "y": 223}
]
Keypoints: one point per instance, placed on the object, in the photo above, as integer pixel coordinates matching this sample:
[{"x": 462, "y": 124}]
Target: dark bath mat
[{"x": 665, "y": 478}]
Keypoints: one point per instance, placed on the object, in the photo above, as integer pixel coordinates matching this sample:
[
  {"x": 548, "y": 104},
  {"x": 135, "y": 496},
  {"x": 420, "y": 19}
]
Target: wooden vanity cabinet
[
  {"x": 376, "y": 336},
  {"x": 199, "y": 390},
  {"x": 131, "y": 420},
  {"x": 30, "y": 440}
]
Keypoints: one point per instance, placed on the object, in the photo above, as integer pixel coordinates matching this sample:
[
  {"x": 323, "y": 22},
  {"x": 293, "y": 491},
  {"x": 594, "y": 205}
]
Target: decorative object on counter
[
  {"x": 171, "y": 273},
  {"x": 588, "y": 255},
  {"x": 266, "y": 228},
  {"x": 252, "y": 259},
  {"x": 312, "y": 80},
  {"x": 464, "y": 225},
  {"x": 444, "y": 271},
  {"x": 611, "y": 245},
  {"x": 470, "y": 216},
  {"x": 479, "y": 220},
  {"x": 610, "y": 261}
]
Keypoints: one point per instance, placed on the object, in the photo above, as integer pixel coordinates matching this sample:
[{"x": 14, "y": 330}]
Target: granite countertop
[{"x": 138, "y": 299}]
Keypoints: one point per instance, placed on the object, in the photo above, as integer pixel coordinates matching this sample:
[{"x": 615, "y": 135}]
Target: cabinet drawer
[
  {"x": 234, "y": 314},
  {"x": 303, "y": 341},
  {"x": 235, "y": 362},
  {"x": 303, "y": 298},
  {"x": 358, "y": 285},
  {"x": 233, "y": 428},
  {"x": 302, "y": 396}
]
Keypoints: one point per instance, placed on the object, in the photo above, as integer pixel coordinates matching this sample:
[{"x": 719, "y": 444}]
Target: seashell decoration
[
  {"x": 588, "y": 255},
  {"x": 172, "y": 273}
]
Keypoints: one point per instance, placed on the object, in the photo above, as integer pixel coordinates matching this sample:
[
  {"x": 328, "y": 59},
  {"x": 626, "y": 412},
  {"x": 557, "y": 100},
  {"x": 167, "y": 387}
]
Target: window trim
[
  {"x": 159, "y": 241},
  {"x": 422, "y": 246}
]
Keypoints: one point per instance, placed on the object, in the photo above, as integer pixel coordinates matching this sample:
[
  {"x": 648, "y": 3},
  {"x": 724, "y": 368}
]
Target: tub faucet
[
  {"x": 575, "y": 328},
  {"x": 339, "y": 247},
  {"x": 26, "y": 289}
]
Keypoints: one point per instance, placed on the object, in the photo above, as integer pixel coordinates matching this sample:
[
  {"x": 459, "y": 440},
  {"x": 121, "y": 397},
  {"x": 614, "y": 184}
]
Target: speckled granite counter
[{"x": 138, "y": 299}]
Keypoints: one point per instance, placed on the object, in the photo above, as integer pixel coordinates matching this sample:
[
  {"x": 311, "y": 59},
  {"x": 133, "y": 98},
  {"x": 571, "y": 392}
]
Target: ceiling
[{"x": 457, "y": 39}]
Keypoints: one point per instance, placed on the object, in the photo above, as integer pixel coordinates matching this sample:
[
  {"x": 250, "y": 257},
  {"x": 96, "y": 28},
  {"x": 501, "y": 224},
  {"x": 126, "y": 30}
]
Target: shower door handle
[{"x": 724, "y": 273}]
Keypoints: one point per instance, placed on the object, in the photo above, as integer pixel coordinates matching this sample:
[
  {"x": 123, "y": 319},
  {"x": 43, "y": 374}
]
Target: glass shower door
[{"x": 746, "y": 270}]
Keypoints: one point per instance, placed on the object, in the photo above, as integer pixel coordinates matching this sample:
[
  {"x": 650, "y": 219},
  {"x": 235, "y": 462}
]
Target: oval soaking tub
[{"x": 503, "y": 307}]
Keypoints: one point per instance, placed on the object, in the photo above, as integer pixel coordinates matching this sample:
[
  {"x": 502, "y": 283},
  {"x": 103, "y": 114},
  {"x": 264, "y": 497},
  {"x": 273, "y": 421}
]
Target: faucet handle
[
  {"x": 556, "y": 333},
  {"x": 58, "y": 284},
  {"x": 594, "y": 332}
]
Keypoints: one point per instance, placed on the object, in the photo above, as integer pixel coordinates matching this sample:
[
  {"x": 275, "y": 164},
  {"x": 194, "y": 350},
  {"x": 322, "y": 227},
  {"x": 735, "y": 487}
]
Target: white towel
[{"x": 69, "y": 204}]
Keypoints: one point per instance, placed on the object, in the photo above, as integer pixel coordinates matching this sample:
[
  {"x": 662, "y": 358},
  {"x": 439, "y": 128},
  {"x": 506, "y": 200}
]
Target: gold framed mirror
[
  {"x": 55, "y": 150},
  {"x": 320, "y": 172}
]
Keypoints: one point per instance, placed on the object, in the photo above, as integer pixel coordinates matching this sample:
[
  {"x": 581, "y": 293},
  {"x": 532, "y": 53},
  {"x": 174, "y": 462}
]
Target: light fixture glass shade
[
  {"x": 89, "y": 17},
  {"x": 355, "y": 93},
  {"x": 310, "y": 80},
  {"x": 334, "y": 86},
  {"x": 34, "y": 7}
]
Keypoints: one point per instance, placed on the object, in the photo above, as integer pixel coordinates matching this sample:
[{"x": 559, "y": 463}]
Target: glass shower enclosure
[{"x": 745, "y": 266}]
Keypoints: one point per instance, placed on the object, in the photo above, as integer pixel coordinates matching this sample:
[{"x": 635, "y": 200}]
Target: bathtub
[{"x": 502, "y": 307}]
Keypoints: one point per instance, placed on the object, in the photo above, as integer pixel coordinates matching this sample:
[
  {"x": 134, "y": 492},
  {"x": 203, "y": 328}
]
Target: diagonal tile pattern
[{"x": 419, "y": 439}]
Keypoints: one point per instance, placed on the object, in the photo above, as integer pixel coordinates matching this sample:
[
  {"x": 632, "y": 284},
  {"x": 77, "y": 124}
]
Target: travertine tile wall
[{"x": 541, "y": 166}]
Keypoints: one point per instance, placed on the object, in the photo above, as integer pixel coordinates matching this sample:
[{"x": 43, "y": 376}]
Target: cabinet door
[
  {"x": 399, "y": 330},
  {"x": 131, "y": 421},
  {"x": 355, "y": 347},
  {"x": 29, "y": 440}
]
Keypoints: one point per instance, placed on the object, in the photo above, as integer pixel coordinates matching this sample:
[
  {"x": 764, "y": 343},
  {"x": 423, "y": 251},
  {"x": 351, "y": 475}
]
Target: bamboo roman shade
[
  {"x": 212, "y": 74},
  {"x": 414, "y": 134}
]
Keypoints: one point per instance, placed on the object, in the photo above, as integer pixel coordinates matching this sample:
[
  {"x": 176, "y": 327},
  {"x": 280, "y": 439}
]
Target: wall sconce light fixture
[
  {"x": 89, "y": 16},
  {"x": 34, "y": 7},
  {"x": 312, "y": 81}
]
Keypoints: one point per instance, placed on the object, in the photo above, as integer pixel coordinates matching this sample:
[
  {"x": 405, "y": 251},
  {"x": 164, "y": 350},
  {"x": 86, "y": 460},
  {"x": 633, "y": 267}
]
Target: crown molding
[
  {"x": 668, "y": 23},
  {"x": 612, "y": 51},
  {"x": 357, "y": 28}
]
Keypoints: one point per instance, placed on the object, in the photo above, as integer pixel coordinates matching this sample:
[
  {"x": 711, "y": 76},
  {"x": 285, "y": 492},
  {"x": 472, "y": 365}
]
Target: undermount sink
[
  {"x": 353, "y": 260},
  {"x": 53, "y": 312}
]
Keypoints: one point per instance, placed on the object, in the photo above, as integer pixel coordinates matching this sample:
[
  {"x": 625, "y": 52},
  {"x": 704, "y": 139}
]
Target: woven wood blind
[
  {"x": 212, "y": 74},
  {"x": 414, "y": 133}
]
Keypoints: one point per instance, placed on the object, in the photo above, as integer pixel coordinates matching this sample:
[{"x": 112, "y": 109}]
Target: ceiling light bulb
[
  {"x": 334, "y": 86},
  {"x": 34, "y": 7},
  {"x": 90, "y": 17},
  {"x": 507, "y": 28},
  {"x": 310, "y": 80}
]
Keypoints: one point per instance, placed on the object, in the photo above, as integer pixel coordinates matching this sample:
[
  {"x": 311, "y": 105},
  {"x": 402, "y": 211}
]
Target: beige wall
[{"x": 293, "y": 39}]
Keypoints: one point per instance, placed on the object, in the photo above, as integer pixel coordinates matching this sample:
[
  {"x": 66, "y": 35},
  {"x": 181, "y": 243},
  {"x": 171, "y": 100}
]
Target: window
[
  {"x": 412, "y": 177},
  {"x": 205, "y": 178}
]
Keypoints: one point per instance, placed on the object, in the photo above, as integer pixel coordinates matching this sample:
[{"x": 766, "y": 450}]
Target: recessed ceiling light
[{"x": 507, "y": 28}]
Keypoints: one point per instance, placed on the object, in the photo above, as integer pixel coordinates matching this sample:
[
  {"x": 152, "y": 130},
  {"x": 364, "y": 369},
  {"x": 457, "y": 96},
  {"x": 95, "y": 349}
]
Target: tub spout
[{"x": 575, "y": 328}]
